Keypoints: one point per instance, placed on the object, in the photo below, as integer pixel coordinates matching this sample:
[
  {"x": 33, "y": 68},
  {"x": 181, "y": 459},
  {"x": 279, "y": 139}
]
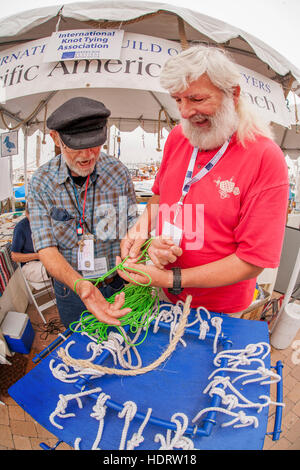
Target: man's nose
[{"x": 92, "y": 150}]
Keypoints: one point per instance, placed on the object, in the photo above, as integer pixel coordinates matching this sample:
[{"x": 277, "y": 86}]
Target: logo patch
[{"x": 227, "y": 187}]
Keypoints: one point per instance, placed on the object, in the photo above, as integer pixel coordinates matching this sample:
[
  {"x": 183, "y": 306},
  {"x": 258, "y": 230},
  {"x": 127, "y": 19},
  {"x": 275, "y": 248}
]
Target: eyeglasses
[{"x": 74, "y": 151}]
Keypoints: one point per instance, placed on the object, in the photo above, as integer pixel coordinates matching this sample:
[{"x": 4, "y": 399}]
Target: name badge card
[
  {"x": 100, "y": 268},
  {"x": 86, "y": 255},
  {"x": 171, "y": 231}
]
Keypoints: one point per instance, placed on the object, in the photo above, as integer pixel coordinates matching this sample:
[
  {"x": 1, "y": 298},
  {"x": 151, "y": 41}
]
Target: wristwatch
[{"x": 176, "y": 289}]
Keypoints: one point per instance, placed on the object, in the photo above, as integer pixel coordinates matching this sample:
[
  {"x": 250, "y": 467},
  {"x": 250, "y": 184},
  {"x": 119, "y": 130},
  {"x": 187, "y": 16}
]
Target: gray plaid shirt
[{"x": 54, "y": 217}]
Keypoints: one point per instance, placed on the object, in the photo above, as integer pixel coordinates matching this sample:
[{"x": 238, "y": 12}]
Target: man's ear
[
  {"x": 55, "y": 137},
  {"x": 236, "y": 94}
]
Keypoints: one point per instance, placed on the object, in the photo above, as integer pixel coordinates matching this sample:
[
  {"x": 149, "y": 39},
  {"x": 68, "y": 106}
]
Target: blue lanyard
[{"x": 189, "y": 180}]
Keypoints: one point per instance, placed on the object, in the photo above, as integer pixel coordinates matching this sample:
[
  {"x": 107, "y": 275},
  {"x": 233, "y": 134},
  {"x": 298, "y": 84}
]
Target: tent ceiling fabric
[
  {"x": 150, "y": 19},
  {"x": 129, "y": 108},
  {"x": 135, "y": 107}
]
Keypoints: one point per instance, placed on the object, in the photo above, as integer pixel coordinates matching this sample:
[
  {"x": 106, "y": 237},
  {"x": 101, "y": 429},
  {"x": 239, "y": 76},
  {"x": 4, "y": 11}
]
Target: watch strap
[{"x": 176, "y": 289}]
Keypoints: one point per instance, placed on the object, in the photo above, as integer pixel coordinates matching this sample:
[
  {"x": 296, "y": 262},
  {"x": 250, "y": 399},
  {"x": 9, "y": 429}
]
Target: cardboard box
[{"x": 254, "y": 311}]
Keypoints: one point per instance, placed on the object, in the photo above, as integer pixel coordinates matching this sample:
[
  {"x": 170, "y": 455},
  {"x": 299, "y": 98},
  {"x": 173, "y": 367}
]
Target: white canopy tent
[
  {"x": 158, "y": 20},
  {"x": 132, "y": 103}
]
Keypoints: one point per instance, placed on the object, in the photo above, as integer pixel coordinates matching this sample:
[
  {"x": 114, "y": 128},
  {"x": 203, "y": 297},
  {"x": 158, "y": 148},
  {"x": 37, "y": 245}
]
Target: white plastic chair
[{"x": 33, "y": 295}]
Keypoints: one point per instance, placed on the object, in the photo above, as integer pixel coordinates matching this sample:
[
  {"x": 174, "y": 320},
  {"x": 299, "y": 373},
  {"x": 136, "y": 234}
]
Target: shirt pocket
[{"x": 65, "y": 233}]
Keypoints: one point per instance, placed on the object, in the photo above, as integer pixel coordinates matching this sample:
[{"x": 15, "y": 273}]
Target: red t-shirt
[{"x": 239, "y": 207}]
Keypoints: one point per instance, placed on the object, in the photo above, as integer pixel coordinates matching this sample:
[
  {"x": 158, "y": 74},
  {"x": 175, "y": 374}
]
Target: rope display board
[{"x": 198, "y": 381}]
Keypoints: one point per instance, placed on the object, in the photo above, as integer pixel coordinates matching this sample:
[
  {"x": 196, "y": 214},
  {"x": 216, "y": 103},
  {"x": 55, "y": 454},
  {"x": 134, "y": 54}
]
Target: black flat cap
[{"x": 80, "y": 122}]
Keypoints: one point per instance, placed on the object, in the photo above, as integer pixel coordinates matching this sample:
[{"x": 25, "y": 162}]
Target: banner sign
[
  {"x": 25, "y": 71},
  {"x": 266, "y": 95},
  {"x": 9, "y": 144},
  {"x": 84, "y": 44}
]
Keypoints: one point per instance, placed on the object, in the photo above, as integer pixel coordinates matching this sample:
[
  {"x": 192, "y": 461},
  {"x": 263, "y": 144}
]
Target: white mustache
[{"x": 199, "y": 117}]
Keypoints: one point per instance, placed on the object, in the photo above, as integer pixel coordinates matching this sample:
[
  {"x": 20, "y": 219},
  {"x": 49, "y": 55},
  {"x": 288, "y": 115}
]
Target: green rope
[
  {"x": 141, "y": 259},
  {"x": 141, "y": 298}
]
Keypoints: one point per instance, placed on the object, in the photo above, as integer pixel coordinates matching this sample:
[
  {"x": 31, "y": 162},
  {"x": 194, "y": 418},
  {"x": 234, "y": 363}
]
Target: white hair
[{"x": 179, "y": 71}]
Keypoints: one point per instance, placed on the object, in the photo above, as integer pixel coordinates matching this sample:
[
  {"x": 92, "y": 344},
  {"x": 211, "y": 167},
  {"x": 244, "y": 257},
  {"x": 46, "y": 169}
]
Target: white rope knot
[
  {"x": 230, "y": 400},
  {"x": 99, "y": 412},
  {"x": 99, "y": 409},
  {"x": 244, "y": 420},
  {"x": 135, "y": 441},
  {"x": 62, "y": 404},
  {"x": 179, "y": 441},
  {"x": 129, "y": 411},
  {"x": 137, "y": 437},
  {"x": 204, "y": 328}
]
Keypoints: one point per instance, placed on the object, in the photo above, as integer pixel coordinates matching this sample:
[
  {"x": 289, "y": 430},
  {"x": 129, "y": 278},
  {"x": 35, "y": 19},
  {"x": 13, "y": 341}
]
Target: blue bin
[{"x": 18, "y": 332}]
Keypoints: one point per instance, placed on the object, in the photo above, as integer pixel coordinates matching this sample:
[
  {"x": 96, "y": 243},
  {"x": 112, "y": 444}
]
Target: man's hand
[
  {"x": 131, "y": 247},
  {"x": 159, "y": 277},
  {"x": 163, "y": 251},
  {"x": 98, "y": 305},
  {"x": 139, "y": 233}
]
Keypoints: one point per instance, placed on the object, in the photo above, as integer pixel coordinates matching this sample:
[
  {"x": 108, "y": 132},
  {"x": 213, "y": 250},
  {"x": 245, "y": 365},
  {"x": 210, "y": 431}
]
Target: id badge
[
  {"x": 171, "y": 231},
  {"x": 86, "y": 254},
  {"x": 100, "y": 268}
]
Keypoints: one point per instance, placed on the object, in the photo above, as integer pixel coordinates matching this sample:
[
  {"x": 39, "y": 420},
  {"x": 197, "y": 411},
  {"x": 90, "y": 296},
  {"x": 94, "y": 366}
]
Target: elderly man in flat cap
[{"x": 74, "y": 202}]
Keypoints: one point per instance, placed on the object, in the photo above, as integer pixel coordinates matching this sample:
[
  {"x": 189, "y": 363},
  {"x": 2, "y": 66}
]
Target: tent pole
[
  {"x": 13, "y": 202},
  {"x": 182, "y": 35},
  {"x": 108, "y": 140},
  {"x": 25, "y": 157}
]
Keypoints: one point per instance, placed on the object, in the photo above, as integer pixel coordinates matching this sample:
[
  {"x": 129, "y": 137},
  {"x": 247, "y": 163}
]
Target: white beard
[{"x": 223, "y": 124}]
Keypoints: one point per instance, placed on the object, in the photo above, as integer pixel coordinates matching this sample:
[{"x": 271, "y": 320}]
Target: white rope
[
  {"x": 232, "y": 399},
  {"x": 77, "y": 443},
  {"x": 137, "y": 437},
  {"x": 199, "y": 309},
  {"x": 129, "y": 411},
  {"x": 179, "y": 441},
  {"x": 217, "y": 323},
  {"x": 99, "y": 411},
  {"x": 204, "y": 328},
  {"x": 60, "y": 410},
  {"x": 250, "y": 355},
  {"x": 127, "y": 349},
  {"x": 239, "y": 356},
  {"x": 240, "y": 416}
]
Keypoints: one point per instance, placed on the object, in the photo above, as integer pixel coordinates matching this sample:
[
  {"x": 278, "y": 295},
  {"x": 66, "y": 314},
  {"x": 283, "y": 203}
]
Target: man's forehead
[
  {"x": 201, "y": 86},
  {"x": 187, "y": 93}
]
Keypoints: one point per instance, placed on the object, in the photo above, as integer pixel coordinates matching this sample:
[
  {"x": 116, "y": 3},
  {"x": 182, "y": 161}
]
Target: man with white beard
[{"x": 220, "y": 196}]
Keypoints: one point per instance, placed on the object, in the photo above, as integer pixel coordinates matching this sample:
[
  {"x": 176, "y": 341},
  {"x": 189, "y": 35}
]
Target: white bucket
[{"x": 287, "y": 327}]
